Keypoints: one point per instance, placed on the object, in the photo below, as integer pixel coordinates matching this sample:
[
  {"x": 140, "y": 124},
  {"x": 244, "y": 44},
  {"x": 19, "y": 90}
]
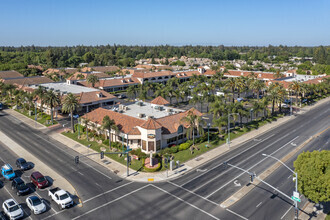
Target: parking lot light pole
[
  {"x": 290, "y": 103},
  {"x": 229, "y": 127},
  {"x": 251, "y": 112},
  {"x": 296, "y": 179}
]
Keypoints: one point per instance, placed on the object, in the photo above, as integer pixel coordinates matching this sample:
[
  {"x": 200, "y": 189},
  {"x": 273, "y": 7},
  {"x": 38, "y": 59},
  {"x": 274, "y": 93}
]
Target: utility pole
[{"x": 290, "y": 103}]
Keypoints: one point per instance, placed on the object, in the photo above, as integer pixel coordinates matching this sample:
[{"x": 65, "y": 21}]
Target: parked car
[
  {"x": 19, "y": 186},
  {"x": 60, "y": 197},
  {"x": 3, "y": 216},
  {"x": 304, "y": 101},
  {"x": 122, "y": 96},
  {"x": 75, "y": 116},
  {"x": 8, "y": 172},
  {"x": 12, "y": 209},
  {"x": 22, "y": 164},
  {"x": 283, "y": 105},
  {"x": 1, "y": 106},
  {"x": 38, "y": 180},
  {"x": 36, "y": 204}
]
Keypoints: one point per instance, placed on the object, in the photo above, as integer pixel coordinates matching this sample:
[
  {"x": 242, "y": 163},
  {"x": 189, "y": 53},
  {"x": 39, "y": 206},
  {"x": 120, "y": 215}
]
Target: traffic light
[
  {"x": 76, "y": 159},
  {"x": 130, "y": 160},
  {"x": 102, "y": 154}
]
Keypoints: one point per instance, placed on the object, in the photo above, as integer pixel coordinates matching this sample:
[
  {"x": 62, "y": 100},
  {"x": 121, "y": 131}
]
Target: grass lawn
[
  {"x": 42, "y": 120},
  {"x": 136, "y": 164}
]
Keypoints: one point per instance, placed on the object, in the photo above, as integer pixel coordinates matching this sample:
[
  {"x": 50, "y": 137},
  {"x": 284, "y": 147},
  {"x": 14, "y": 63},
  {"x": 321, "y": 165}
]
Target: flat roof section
[
  {"x": 145, "y": 110},
  {"x": 64, "y": 87}
]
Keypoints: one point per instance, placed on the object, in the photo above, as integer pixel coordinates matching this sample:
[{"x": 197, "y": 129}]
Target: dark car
[
  {"x": 19, "y": 186},
  {"x": 38, "y": 180},
  {"x": 3, "y": 216},
  {"x": 22, "y": 164}
]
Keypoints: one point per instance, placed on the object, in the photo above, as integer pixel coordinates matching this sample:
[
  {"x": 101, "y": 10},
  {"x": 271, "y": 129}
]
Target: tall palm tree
[
  {"x": 231, "y": 85},
  {"x": 264, "y": 104},
  {"x": 40, "y": 94},
  {"x": 86, "y": 123},
  {"x": 52, "y": 100},
  {"x": 296, "y": 87},
  {"x": 194, "y": 122},
  {"x": 131, "y": 90},
  {"x": 70, "y": 104},
  {"x": 240, "y": 85},
  {"x": 110, "y": 125},
  {"x": 257, "y": 85},
  {"x": 92, "y": 79},
  {"x": 273, "y": 95}
]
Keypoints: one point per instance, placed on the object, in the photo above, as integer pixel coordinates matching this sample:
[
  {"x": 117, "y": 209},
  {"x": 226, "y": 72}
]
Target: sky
[{"x": 172, "y": 22}]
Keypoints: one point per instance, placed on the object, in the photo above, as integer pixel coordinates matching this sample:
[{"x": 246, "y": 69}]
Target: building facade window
[
  {"x": 144, "y": 145},
  {"x": 158, "y": 145}
]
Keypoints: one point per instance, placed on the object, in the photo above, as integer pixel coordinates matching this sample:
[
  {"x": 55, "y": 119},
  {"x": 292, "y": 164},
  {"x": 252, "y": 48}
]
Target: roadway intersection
[{"x": 197, "y": 194}]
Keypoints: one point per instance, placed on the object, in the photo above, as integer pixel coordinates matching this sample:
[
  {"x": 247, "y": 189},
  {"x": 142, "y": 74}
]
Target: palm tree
[
  {"x": 220, "y": 122},
  {"x": 92, "y": 79},
  {"x": 231, "y": 85},
  {"x": 296, "y": 87},
  {"x": 70, "y": 104},
  {"x": 131, "y": 90},
  {"x": 264, "y": 104},
  {"x": 109, "y": 124},
  {"x": 85, "y": 123},
  {"x": 273, "y": 95},
  {"x": 240, "y": 85},
  {"x": 257, "y": 85},
  {"x": 53, "y": 100},
  {"x": 194, "y": 122},
  {"x": 81, "y": 76},
  {"x": 40, "y": 93}
]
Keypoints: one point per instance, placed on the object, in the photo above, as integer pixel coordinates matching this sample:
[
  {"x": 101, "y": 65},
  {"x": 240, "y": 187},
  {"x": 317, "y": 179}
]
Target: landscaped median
[
  {"x": 44, "y": 119},
  {"x": 181, "y": 153}
]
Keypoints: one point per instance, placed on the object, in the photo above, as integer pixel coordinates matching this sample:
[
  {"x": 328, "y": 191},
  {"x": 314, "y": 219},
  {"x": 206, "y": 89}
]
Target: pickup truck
[{"x": 60, "y": 197}]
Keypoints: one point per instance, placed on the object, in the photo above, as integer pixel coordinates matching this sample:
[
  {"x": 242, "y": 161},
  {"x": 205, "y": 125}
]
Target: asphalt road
[{"x": 195, "y": 195}]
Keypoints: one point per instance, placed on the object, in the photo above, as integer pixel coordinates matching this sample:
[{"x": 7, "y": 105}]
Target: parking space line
[
  {"x": 87, "y": 200},
  {"x": 227, "y": 160},
  {"x": 258, "y": 204},
  {"x": 15, "y": 200},
  {"x": 236, "y": 214},
  {"x": 248, "y": 169},
  {"x": 53, "y": 215},
  {"x": 286, "y": 212},
  {"x": 178, "y": 198},
  {"x": 112, "y": 201}
]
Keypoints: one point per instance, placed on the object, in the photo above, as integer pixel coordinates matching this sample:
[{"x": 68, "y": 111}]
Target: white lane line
[
  {"x": 13, "y": 198},
  {"x": 286, "y": 212},
  {"x": 108, "y": 203},
  {"x": 194, "y": 193},
  {"x": 80, "y": 173},
  {"x": 319, "y": 149},
  {"x": 178, "y": 198},
  {"x": 49, "y": 216},
  {"x": 227, "y": 160},
  {"x": 246, "y": 159},
  {"x": 258, "y": 204},
  {"x": 248, "y": 169},
  {"x": 98, "y": 184},
  {"x": 72, "y": 156},
  {"x": 87, "y": 200},
  {"x": 236, "y": 214},
  {"x": 289, "y": 176}
]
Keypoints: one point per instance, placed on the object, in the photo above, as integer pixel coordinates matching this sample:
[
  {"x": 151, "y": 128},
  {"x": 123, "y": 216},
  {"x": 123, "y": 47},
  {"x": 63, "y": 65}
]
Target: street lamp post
[
  {"x": 290, "y": 103},
  {"x": 251, "y": 113},
  {"x": 208, "y": 132},
  {"x": 296, "y": 179},
  {"x": 78, "y": 128},
  {"x": 229, "y": 127}
]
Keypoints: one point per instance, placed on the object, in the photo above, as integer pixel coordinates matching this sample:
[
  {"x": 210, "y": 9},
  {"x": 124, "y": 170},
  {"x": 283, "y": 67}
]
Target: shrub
[
  {"x": 166, "y": 151},
  {"x": 106, "y": 142},
  {"x": 152, "y": 169},
  {"x": 174, "y": 149},
  {"x": 139, "y": 153},
  {"x": 184, "y": 146}
]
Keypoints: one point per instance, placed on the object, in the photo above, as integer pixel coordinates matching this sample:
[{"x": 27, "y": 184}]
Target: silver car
[{"x": 36, "y": 205}]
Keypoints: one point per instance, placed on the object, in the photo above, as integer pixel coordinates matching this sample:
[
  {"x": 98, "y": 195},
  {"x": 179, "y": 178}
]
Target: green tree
[
  {"x": 70, "y": 104},
  {"x": 194, "y": 122},
  {"x": 92, "y": 79},
  {"x": 313, "y": 169},
  {"x": 40, "y": 94},
  {"x": 110, "y": 125},
  {"x": 52, "y": 100}
]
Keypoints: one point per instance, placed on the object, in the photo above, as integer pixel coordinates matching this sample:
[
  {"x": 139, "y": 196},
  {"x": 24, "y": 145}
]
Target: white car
[
  {"x": 12, "y": 209},
  {"x": 36, "y": 205}
]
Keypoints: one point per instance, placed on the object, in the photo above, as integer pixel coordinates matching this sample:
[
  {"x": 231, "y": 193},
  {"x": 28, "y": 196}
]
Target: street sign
[
  {"x": 296, "y": 196},
  {"x": 295, "y": 199},
  {"x": 128, "y": 150}
]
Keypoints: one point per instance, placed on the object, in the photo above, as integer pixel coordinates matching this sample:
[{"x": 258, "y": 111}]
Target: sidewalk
[{"x": 120, "y": 169}]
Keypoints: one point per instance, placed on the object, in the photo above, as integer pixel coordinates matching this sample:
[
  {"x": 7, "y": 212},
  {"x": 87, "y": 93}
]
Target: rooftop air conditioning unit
[
  {"x": 140, "y": 115},
  {"x": 161, "y": 108},
  {"x": 169, "y": 110}
]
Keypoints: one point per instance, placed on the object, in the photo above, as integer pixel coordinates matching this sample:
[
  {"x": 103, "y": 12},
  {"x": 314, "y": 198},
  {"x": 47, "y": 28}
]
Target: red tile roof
[
  {"x": 34, "y": 80},
  {"x": 86, "y": 97},
  {"x": 111, "y": 82},
  {"x": 124, "y": 123},
  {"x": 10, "y": 74},
  {"x": 153, "y": 74},
  {"x": 159, "y": 101},
  {"x": 151, "y": 124}
]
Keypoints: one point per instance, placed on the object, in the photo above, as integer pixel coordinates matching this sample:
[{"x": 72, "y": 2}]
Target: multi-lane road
[{"x": 197, "y": 194}]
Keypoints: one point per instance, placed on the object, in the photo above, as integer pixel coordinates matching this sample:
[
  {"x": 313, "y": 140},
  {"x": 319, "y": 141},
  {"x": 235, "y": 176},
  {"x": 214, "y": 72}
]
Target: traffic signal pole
[{"x": 255, "y": 176}]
